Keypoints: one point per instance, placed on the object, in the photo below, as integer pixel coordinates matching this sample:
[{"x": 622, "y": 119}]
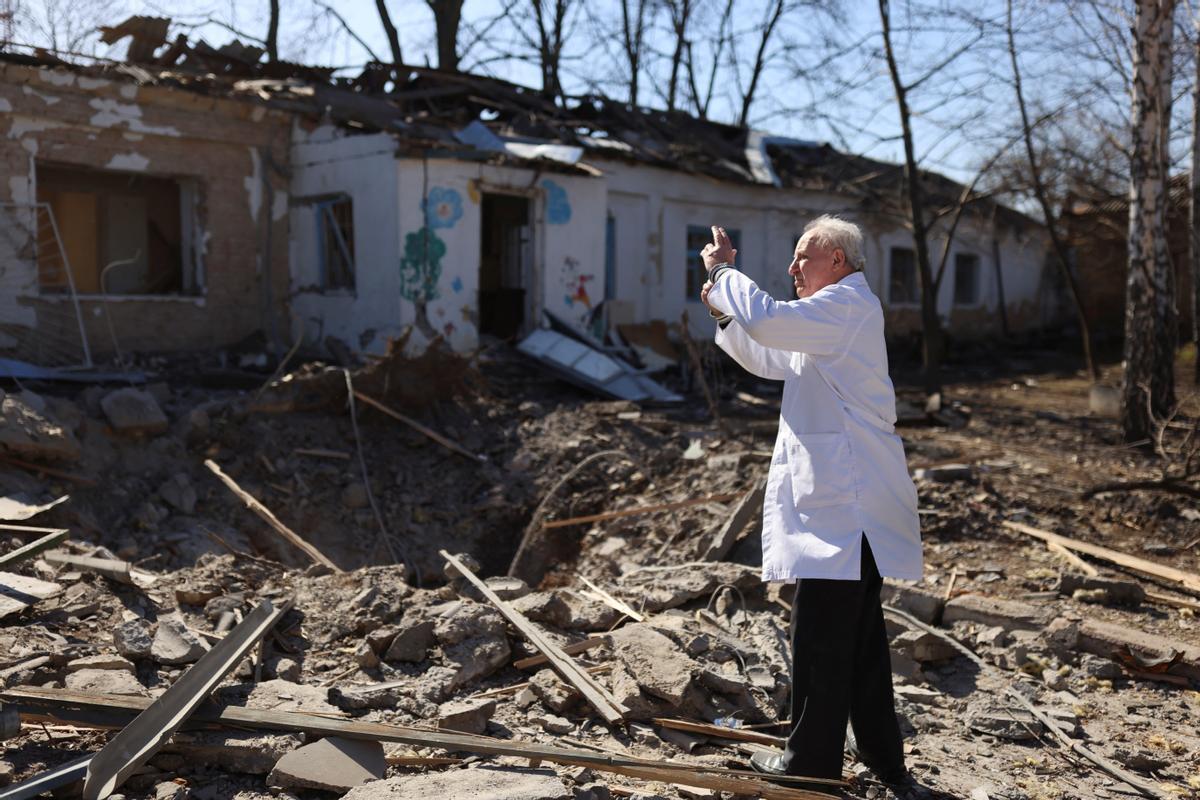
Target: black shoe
[
  {"x": 903, "y": 786},
  {"x": 771, "y": 765}
]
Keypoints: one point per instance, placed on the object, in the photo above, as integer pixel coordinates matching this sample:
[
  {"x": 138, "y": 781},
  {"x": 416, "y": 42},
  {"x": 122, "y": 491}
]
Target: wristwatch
[{"x": 713, "y": 274}]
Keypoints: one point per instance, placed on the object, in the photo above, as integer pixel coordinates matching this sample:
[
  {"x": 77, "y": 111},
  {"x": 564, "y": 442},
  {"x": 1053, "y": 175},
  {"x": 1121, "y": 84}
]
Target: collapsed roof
[{"x": 483, "y": 118}]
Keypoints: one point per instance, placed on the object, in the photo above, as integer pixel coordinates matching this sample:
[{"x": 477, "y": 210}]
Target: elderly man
[{"x": 840, "y": 509}]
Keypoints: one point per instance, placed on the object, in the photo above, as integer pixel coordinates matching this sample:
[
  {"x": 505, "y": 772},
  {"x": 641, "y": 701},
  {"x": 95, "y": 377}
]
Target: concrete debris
[
  {"x": 494, "y": 783},
  {"x": 545, "y": 607},
  {"x": 658, "y": 590},
  {"x": 179, "y": 493},
  {"x": 29, "y": 433},
  {"x": 105, "y": 681},
  {"x": 333, "y": 764},
  {"x": 923, "y": 647},
  {"x": 1012, "y": 723},
  {"x": 466, "y": 716},
  {"x": 658, "y": 665},
  {"x": 555, "y": 694},
  {"x": 989, "y": 611},
  {"x": 174, "y": 643},
  {"x": 412, "y": 642},
  {"x": 552, "y": 723},
  {"x": 101, "y": 662},
  {"x": 250, "y": 753},
  {"x": 133, "y": 412},
  {"x": 133, "y": 640},
  {"x": 1107, "y": 591}
]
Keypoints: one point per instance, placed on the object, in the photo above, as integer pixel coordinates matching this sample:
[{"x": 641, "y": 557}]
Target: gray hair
[{"x": 832, "y": 233}]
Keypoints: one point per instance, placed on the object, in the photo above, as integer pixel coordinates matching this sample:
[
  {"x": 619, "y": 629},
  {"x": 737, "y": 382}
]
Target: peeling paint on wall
[
  {"x": 279, "y": 206},
  {"x": 92, "y": 83},
  {"x": 253, "y": 184},
  {"x": 132, "y": 137},
  {"x": 5, "y": 106},
  {"x": 110, "y": 113},
  {"x": 129, "y": 91},
  {"x": 48, "y": 99},
  {"x": 135, "y": 162},
  {"x": 56, "y": 77},
  {"x": 22, "y": 125},
  {"x": 20, "y": 190}
]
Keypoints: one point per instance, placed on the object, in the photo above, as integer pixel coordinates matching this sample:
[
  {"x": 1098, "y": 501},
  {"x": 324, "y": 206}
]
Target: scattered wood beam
[
  {"x": 633, "y": 512},
  {"x": 613, "y": 602},
  {"x": 516, "y": 687},
  {"x": 610, "y": 710},
  {"x": 82, "y": 480},
  {"x": 138, "y": 741},
  {"x": 107, "y": 711},
  {"x": 570, "y": 649},
  {"x": 1188, "y": 580},
  {"x": 412, "y": 423},
  {"x": 1072, "y": 559},
  {"x": 32, "y": 549},
  {"x": 743, "y": 512},
  {"x": 1148, "y": 789},
  {"x": 119, "y": 571},
  {"x": 1167, "y": 600},
  {"x": 720, "y": 731},
  {"x": 265, "y": 514}
]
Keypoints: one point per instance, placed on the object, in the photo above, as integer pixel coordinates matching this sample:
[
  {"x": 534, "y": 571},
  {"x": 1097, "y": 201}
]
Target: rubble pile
[{"x": 396, "y": 678}]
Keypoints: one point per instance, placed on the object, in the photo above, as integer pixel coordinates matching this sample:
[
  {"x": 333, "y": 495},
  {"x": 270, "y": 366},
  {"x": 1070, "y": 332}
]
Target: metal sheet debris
[{"x": 585, "y": 366}]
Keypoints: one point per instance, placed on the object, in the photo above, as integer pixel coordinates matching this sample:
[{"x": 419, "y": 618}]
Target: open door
[{"x": 505, "y": 266}]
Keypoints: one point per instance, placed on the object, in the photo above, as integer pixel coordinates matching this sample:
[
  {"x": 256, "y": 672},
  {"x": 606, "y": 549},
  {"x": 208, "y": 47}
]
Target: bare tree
[
  {"x": 1150, "y": 336},
  {"x": 771, "y": 20},
  {"x": 634, "y": 23},
  {"x": 724, "y": 37},
  {"x": 1039, "y": 190},
  {"x": 1195, "y": 205},
  {"x": 390, "y": 29},
  {"x": 447, "y": 16},
  {"x": 551, "y": 18},
  {"x": 273, "y": 33},
  {"x": 680, "y": 12}
]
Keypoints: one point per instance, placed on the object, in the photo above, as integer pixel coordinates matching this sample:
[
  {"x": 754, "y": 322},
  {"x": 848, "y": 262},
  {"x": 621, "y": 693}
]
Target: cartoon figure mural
[
  {"x": 576, "y": 297},
  {"x": 558, "y": 205}
]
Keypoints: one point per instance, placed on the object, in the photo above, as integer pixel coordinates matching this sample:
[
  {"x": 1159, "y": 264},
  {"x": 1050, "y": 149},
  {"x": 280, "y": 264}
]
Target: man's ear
[{"x": 839, "y": 257}]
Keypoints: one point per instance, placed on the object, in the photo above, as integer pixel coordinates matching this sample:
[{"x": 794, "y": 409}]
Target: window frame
[
  {"x": 891, "y": 282},
  {"x": 974, "y": 259},
  {"x": 323, "y": 210}
]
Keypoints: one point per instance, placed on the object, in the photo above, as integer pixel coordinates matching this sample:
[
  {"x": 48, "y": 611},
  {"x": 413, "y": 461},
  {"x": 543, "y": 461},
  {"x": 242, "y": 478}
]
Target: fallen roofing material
[
  {"x": 583, "y": 365},
  {"x": 140, "y": 740},
  {"x": 33, "y": 548},
  {"x": 102, "y": 710}
]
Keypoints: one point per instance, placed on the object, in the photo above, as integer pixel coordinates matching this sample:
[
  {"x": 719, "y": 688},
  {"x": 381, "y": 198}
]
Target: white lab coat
[{"x": 838, "y": 469}]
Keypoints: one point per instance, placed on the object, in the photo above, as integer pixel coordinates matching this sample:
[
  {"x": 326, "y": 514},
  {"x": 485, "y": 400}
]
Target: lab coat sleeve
[
  {"x": 814, "y": 325},
  {"x": 765, "y": 362}
]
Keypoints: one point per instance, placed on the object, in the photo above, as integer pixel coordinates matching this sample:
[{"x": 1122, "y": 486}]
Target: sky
[{"x": 962, "y": 114}]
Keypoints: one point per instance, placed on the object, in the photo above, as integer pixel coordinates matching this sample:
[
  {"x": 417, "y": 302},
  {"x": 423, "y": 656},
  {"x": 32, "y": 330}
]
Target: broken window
[
  {"x": 966, "y": 279},
  {"x": 902, "y": 288},
  {"x": 697, "y": 237},
  {"x": 121, "y": 232},
  {"x": 335, "y": 242}
]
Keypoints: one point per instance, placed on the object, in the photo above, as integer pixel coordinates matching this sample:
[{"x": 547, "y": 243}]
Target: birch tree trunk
[
  {"x": 1195, "y": 207},
  {"x": 1150, "y": 324}
]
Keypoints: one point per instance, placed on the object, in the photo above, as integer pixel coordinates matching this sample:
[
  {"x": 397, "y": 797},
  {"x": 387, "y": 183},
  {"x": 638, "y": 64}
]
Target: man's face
[{"x": 815, "y": 267}]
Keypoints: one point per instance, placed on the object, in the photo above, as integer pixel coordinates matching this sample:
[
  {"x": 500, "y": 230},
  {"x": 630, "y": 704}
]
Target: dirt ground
[{"x": 1014, "y": 442}]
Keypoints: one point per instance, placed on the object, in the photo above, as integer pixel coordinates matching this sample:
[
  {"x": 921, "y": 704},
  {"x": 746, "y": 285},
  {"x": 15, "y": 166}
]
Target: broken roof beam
[
  {"x": 266, "y": 516},
  {"x": 81, "y": 708},
  {"x": 750, "y": 505},
  {"x": 33, "y": 548},
  {"x": 640, "y": 510},
  {"x": 412, "y": 423},
  {"x": 119, "y": 571},
  {"x": 138, "y": 741},
  {"x": 599, "y": 697}
]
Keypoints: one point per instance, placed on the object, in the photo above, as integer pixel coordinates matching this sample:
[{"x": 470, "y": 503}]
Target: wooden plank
[
  {"x": 516, "y": 687},
  {"x": 42, "y": 469},
  {"x": 634, "y": 512},
  {"x": 412, "y": 423},
  {"x": 120, "y": 571},
  {"x": 743, "y": 512},
  {"x": 32, "y": 549},
  {"x": 1189, "y": 580},
  {"x": 599, "y": 697},
  {"x": 1072, "y": 559},
  {"x": 113, "y": 711},
  {"x": 720, "y": 731},
  {"x": 266, "y": 516},
  {"x": 1167, "y": 600},
  {"x": 321, "y": 452},
  {"x": 613, "y": 602},
  {"x": 570, "y": 649}
]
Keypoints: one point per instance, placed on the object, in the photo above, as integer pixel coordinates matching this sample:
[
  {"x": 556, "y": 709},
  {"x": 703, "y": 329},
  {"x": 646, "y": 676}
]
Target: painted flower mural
[
  {"x": 558, "y": 205},
  {"x": 421, "y": 266},
  {"x": 443, "y": 208}
]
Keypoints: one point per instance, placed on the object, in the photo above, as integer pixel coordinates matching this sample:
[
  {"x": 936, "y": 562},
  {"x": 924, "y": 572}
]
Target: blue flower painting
[
  {"x": 558, "y": 206},
  {"x": 442, "y": 208}
]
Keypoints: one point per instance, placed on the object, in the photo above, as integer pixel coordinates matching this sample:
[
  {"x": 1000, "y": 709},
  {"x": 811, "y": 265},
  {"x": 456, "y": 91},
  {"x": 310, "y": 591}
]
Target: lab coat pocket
[{"x": 822, "y": 470}]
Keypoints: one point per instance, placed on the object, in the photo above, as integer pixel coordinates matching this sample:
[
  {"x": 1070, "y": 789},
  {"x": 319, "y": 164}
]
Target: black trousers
[{"x": 841, "y": 670}]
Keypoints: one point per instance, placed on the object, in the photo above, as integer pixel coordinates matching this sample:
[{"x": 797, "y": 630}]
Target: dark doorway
[{"x": 505, "y": 265}]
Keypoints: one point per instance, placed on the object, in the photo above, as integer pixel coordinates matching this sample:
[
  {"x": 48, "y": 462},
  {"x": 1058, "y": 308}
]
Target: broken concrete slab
[
  {"x": 548, "y": 608},
  {"x": 555, "y": 694},
  {"x": 655, "y": 661},
  {"x": 992, "y": 611},
  {"x": 19, "y": 592},
  {"x": 505, "y": 587},
  {"x": 101, "y": 662},
  {"x": 133, "y": 412},
  {"x": 1006, "y": 722},
  {"x": 26, "y": 432},
  {"x": 105, "y": 681},
  {"x": 494, "y": 783},
  {"x": 464, "y": 619},
  {"x": 552, "y": 723},
  {"x": 475, "y": 658},
  {"x": 658, "y": 590},
  {"x": 922, "y": 604},
  {"x": 333, "y": 764},
  {"x": 1106, "y": 638},
  {"x": 924, "y": 647},
  {"x": 174, "y": 644},
  {"x": 278, "y": 695},
  {"x": 411, "y": 644},
  {"x": 1121, "y": 591},
  {"x": 466, "y": 716},
  {"x": 133, "y": 639},
  {"x": 374, "y": 695}
]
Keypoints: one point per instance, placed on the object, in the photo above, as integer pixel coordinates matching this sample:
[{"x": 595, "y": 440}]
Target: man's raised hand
[{"x": 719, "y": 250}]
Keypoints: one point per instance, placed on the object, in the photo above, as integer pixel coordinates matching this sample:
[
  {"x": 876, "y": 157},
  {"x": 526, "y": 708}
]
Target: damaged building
[{"x": 196, "y": 197}]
